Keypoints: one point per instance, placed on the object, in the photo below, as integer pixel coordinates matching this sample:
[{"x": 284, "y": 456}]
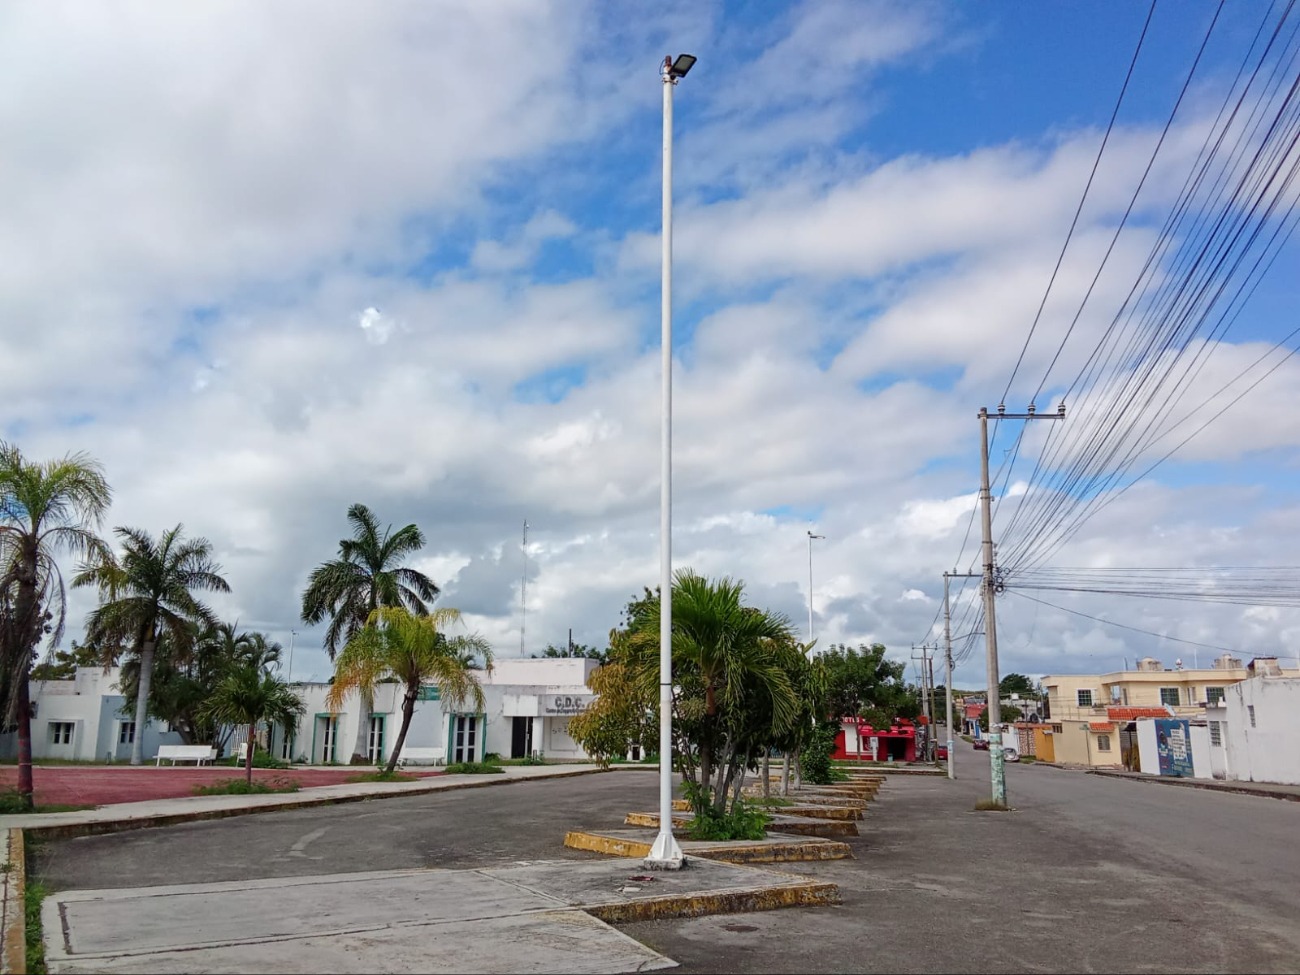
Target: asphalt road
[{"x": 1086, "y": 874}]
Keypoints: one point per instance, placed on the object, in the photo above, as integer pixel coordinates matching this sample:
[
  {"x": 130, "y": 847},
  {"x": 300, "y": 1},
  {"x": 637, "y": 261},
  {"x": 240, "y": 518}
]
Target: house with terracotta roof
[{"x": 1093, "y": 716}]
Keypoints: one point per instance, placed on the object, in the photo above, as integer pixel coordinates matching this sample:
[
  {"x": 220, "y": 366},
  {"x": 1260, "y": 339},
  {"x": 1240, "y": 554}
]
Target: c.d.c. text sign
[{"x": 566, "y": 704}]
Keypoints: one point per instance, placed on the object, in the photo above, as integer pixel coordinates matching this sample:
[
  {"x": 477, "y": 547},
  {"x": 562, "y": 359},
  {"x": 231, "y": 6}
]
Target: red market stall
[{"x": 857, "y": 740}]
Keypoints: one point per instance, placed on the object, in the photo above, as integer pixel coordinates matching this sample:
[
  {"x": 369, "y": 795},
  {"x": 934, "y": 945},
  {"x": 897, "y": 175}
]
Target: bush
[
  {"x": 742, "y": 822},
  {"x": 383, "y": 776},
  {"x": 474, "y": 768},
  {"x": 239, "y": 787},
  {"x": 11, "y": 804},
  {"x": 33, "y": 895},
  {"x": 816, "y": 757},
  {"x": 261, "y": 759}
]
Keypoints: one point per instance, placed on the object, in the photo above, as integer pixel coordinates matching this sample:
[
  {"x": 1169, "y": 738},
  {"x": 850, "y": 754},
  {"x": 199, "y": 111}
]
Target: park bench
[
  {"x": 421, "y": 756},
  {"x": 185, "y": 753}
]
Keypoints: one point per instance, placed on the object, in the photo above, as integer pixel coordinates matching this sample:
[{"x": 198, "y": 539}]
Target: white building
[
  {"x": 527, "y": 707},
  {"x": 82, "y": 719},
  {"x": 1255, "y": 730}
]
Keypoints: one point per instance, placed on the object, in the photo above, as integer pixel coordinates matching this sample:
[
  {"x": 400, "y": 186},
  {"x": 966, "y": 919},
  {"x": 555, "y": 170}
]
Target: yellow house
[{"x": 1091, "y": 715}]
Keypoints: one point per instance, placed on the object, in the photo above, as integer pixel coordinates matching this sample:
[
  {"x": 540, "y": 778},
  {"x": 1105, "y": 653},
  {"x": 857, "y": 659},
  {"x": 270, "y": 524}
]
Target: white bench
[
  {"x": 185, "y": 753},
  {"x": 421, "y": 756}
]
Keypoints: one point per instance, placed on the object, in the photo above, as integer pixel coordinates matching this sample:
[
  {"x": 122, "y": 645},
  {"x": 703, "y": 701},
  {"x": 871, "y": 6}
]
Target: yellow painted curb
[
  {"x": 808, "y": 894},
  {"x": 792, "y": 851},
  {"x": 13, "y": 939}
]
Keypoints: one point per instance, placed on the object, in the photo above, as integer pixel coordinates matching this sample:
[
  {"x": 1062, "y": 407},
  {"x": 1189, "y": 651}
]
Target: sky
[{"x": 264, "y": 261}]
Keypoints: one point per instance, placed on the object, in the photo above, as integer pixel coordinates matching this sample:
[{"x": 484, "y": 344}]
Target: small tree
[
  {"x": 619, "y": 717},
  {"x": 248, "y": 695},
  {"x": 1009, "y": 713},
  {"x": 398, "y": 645}
]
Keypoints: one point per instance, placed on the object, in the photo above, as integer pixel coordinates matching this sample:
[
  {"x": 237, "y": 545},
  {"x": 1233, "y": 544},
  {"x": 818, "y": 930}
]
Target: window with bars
[
  {"x": 1214, "y": 695},
  {"x": 1170, "y": 696},
  {"x": 1216, "y": 734},
  {"x": 1251, "y": 709},
  {"x": 1103, "y": 743},
  {"x": 1085, "y": 699},
  {"x": 61, "y": 732},
  {"x": 126, "y": 733}
]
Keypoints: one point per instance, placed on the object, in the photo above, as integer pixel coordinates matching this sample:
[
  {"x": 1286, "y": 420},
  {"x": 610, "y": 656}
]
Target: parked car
[
  {"x": 941, "y": 753},
  {"x": 981, "y": 743}
]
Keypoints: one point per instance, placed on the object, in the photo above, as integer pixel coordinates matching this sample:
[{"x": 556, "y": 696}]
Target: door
[
  {"x": 465, "y": 738},
  {"x": 375, "y": 743},
  {"x": 326, "y": 732},
  {"x": 521, "y": 738}
]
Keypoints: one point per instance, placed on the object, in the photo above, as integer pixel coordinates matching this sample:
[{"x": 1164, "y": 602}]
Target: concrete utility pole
[
  {"x": 926, "y": 701},
  {"x": 947, "y": 646},
  {"x": 666, "y": 854},
  {"x": 989, "y": 586}
]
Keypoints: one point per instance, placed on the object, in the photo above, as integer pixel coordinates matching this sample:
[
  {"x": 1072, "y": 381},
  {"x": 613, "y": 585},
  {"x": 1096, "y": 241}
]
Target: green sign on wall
[{"x": 428, "y": 693}]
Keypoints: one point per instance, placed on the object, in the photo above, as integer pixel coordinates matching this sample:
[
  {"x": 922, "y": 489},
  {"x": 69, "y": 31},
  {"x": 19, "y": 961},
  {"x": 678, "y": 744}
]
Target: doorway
[
  {"x": 375, "y": 742},
  {"x": 521, "y": 738},
  {"x": 464, "y": 738},
  {"x": 325, "y": 738}
]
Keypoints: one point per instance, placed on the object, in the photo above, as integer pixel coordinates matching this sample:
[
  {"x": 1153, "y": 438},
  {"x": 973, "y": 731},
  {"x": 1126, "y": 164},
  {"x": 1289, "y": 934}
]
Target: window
[
  {"x": 61, "y": 732},
  {"x": 1214, "y": 694},
  {"x": 126, "y": 733},
  {"x": 1103, "y": 743},
  {"x": 1085, "y": 699},
  {"x": 1056, "y": 729},
  {"x": 1251, "y": 709},
  {"x": 1169, "y": 695},
  {"x": 1216, "y": 734},
  {"x": 375, "y": 744}
]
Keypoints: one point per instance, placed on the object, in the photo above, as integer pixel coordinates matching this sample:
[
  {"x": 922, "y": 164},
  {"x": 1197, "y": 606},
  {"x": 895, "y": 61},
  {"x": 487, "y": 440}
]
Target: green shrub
[
  {"x": 383, "y": 776},
  {"x": 261, "y": 759},
  {"x": 816, "y": 756},
  {"x": 11, "y": 804},
  {"x": 492, "y": 757},
  {"x": 240, "y": 787},
  {"x": 474, "y": 768},
  {"x": 651, "y": 759},
  {"x": 741, "y": 822}
]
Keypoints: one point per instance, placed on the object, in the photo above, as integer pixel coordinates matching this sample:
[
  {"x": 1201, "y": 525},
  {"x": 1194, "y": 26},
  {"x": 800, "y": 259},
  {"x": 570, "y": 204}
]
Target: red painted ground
[{"x": 101, "y": 785}]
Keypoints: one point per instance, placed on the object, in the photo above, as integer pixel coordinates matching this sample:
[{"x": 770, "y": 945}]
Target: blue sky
[{"x": 266, "y": 263}]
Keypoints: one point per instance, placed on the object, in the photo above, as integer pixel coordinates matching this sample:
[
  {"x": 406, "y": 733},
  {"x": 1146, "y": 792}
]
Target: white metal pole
[
  {"x": 523, "y": 593},
  {"x": 810, "y": 589},
  {"x": 666, "y": 854},
  {"x": 293, "y": 637}
]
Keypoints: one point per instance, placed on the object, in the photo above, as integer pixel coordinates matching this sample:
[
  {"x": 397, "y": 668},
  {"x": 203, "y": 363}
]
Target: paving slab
[{"x": 532, "y": 916}]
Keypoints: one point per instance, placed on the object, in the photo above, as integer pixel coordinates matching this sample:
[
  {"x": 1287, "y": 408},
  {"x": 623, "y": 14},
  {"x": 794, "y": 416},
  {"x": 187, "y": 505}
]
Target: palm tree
[
  {"x": 727, "y": 650},
  {"x": 249, "y": 695},
  {"x": 414, "y": 650},
  {"x": 367, "y": 575},
  {"x": 47, "y": 508},
  {"x": 146, "y": 592}
]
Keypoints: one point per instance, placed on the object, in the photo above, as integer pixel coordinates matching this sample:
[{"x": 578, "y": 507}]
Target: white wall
[
  {"x": 1219, "y": 768},
  {"x": 1148, "y": 753},
  {"x": 1266, "y": 751},
  {"x": 1202, "y": 766}
]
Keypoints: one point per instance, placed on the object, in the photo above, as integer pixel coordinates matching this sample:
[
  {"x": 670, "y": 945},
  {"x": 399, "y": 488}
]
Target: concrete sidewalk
[
  {"x": 166, "y": 812},
  {"x": 1270, "y": 790},
  {"x": 541, "y": 916}
]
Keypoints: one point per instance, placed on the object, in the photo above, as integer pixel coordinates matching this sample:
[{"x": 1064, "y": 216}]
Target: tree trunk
[
  {"x": 142, "y": 699},
  {"x": 408, "y": 709},
  {"x": 798, "y": 768},
  {"x": 740, "y": 786},
  {"x": 362, "y": 745},
  {"x": 26, "y": 789},
  {"x": 785, "y": 774},
  {"x": 248, "y": 754},
  {"x": 767, "y": 773}
]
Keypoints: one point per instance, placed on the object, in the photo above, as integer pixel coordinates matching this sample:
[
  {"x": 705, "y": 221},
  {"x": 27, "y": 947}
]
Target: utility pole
[
  {"x": 926, "y": 703},
  {"x": 989, "y": 586},
  {"x": 523, "y": 592},
  {"x": 947, "y": 646}
]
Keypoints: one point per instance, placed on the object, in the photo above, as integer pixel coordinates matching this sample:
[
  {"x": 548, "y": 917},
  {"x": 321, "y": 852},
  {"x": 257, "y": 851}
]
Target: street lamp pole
[
  {"x": 811, "y": 536},
  {"x": 666, "y": 854},
  {"x": 293, "y": 637}
]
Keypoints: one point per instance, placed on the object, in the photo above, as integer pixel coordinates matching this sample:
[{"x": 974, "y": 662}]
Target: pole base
[{"x": 665, "y": 854}]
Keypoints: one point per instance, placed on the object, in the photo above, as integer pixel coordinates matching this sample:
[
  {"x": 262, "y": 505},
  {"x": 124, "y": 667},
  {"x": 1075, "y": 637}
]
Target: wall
[
  {"x": 1201, "y": 760},
  {"x": 1148, "y": 747},
  {"x": 1266, "y": 752},
  {"x": 1219, "y": 767}
]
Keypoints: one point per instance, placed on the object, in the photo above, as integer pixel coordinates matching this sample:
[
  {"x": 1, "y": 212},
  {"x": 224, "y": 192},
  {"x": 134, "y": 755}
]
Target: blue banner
[{"x": 1174, "y": 745}]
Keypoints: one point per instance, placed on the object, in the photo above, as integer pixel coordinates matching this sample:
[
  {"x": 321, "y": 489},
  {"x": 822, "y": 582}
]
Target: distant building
[
  {"x": 1094, "y": 716},
  {"x": 1254, "y": 732}
]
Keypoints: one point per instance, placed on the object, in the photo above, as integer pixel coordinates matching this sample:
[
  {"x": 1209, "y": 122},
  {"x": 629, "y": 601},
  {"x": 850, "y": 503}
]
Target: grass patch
[
  {"x": 770, "y": 801},
  {"x": 383, "y": 776},
  {"x": 741, "y": 823},
  {"x": 33, "y": 895},
  {"x": 239, "y": 787},
  {"x": 474, "y": 768},
  {"x": 1028, "y": 758},
  {"x": 11, "y": 804},
  {"x": 526, "y": 760},
  {"x": 988, "y": 805},
  {"x": 261, "y": 759}
]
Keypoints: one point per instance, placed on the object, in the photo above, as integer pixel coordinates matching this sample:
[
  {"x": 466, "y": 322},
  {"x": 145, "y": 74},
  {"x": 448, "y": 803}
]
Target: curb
[
  {"x": 61, "y": 831},
  {"x": 808, "y": 894},
  {"x": 735, "y": 851},
  {"x": 1243, "y": 790},
  {"x": 13, "y": 938}
]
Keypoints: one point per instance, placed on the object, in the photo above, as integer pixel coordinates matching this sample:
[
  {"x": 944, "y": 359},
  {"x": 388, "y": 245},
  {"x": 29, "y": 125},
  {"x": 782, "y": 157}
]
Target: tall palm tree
[
  {"x": 414, "y": 650},
  {"x": 367, "y": 575},
  {"x": 148, "y": 591},
  {"x": 249, "y": 695},
  {"x": 47, "y": 508}
]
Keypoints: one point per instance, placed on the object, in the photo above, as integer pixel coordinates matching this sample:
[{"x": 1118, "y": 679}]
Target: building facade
[
  {"x": 1254, "y": 733},
  {"x": 1094, "y": 716}
]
